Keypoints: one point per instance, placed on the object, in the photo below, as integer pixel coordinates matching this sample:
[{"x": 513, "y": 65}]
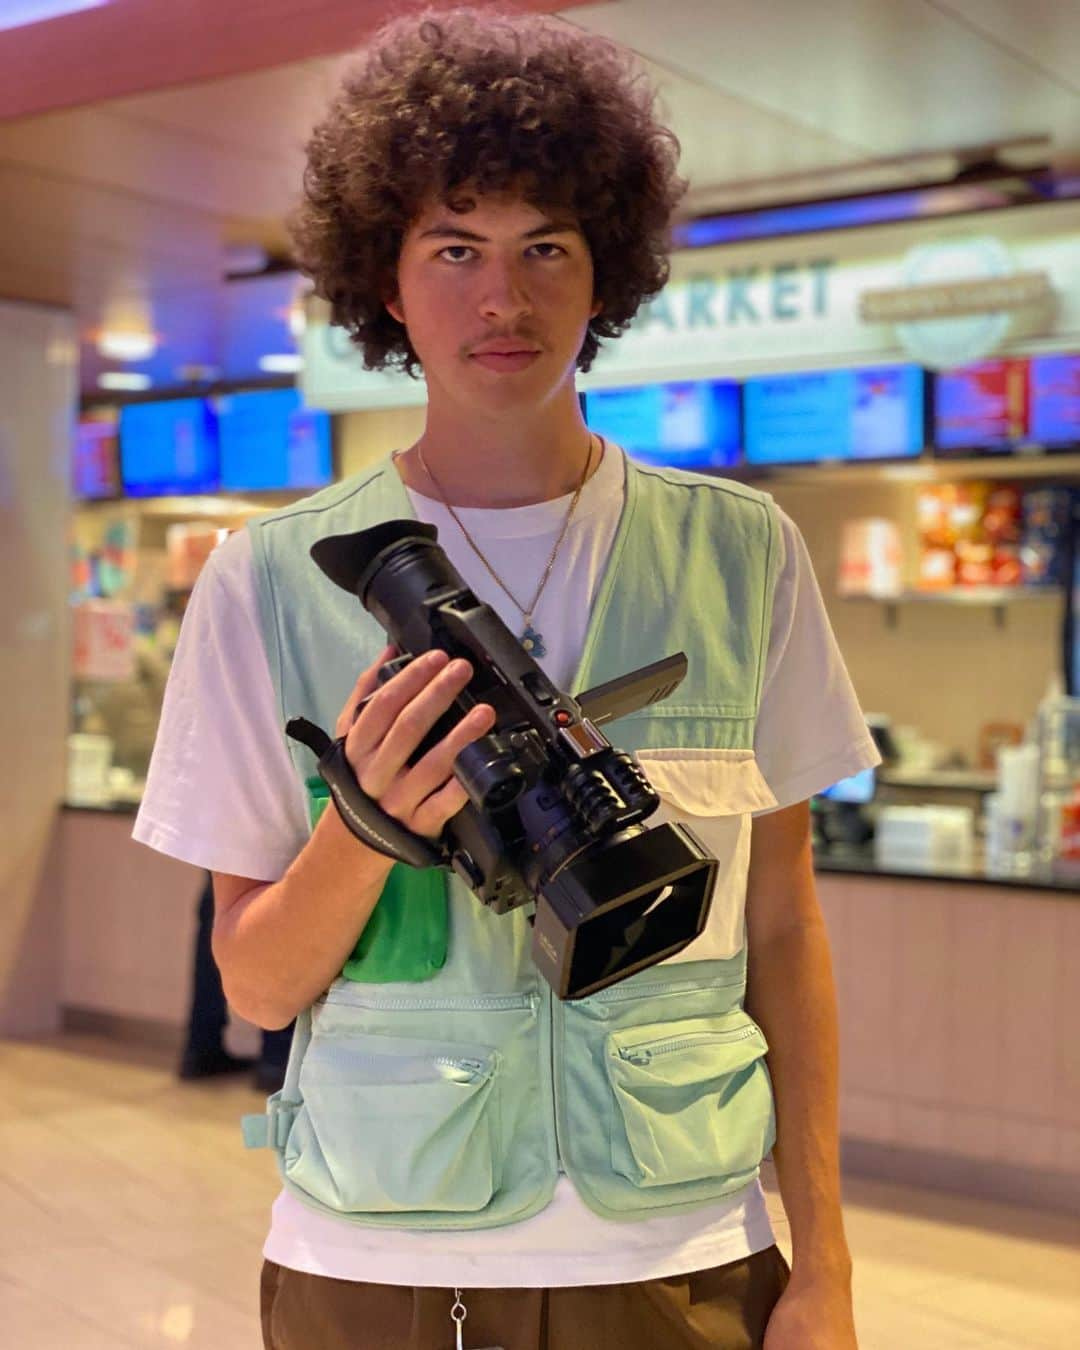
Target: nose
[{"x": 504, "y": 297}]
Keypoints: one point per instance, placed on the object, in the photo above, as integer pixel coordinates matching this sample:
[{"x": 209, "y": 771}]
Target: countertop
[{"x": 848, "y": 861}]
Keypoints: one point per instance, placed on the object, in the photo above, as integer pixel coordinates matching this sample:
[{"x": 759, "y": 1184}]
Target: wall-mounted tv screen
[
  {"x": 814, "y": 416},
  {"x": 981, "y": 409},
  {"x": 168, "y": 447},
  {"x": 95, "y": 461},
  {"x": 688, "y": 425},
  {"x": 269, "y": 440},
  {"x": 858, "y": 789},
  {"x": 1054, "y": 400}
]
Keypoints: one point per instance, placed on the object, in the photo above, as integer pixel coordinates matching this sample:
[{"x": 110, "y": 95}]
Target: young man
[{"x": 485, "y": 201}]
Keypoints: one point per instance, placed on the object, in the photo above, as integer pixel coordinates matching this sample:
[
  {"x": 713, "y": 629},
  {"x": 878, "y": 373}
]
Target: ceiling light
[
  {"x": 19, "y": 13},
  {"x": 126, "y": 346},
  {"x": 282, "y": 363},
  {"x": 123, "y": 379}
]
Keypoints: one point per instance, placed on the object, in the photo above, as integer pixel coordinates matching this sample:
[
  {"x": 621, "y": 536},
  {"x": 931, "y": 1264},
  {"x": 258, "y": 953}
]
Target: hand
[
  {"x": 380, "y": 740},
  {"x": 814, "y": 1313}
]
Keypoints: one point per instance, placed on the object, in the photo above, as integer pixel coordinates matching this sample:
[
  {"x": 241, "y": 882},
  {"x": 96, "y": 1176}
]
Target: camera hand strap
[{"x": 363, "y": 816}]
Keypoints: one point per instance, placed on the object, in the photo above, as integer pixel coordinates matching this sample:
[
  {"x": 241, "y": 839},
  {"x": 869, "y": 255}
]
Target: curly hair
[{"x": 466, "y": 100}]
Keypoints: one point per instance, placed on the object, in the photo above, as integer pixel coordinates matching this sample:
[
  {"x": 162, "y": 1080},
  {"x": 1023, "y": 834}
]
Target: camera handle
[{"x": 362, "y": 814}]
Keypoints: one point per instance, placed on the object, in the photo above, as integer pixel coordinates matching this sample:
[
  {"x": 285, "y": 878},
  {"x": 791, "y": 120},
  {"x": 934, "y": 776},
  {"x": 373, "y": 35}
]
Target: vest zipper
[
  {"x": 458, "y": 1003},
  {"x": 554, "y": 1080},
  {"x": 619, "y": 993},
  {"x": 644, "y": 1053}
]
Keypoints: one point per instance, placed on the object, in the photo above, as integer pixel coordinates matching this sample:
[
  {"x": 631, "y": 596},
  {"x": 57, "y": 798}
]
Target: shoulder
[
  {"x": 328, "y": 502},
  {"x": 721, "y": 494},
  {"x": 699, "y": 505}
]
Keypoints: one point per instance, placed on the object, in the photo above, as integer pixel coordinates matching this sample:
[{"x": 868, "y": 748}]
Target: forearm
[
  {"x": 792, "y": 997},
  {"x": 280, "y": 945}
]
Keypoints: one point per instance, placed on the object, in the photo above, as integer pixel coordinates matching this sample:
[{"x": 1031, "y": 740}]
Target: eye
[
  {"x": 458, "y": 250},
  {"x": 556, "y": 250}
]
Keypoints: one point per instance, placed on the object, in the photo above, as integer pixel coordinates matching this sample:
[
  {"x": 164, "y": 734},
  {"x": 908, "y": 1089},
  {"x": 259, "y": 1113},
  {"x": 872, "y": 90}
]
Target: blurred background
[{"x": 873, "y": 314}]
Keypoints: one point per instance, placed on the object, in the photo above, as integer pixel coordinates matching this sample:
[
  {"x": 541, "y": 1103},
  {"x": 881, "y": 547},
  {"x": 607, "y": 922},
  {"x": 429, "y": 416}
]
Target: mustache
[{"x": 526, "y": 340}]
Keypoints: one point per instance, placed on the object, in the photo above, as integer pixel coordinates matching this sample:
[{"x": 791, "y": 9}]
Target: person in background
[
  {"x": 204, "y": 1054},
  {"x": 487, "y": 201}
]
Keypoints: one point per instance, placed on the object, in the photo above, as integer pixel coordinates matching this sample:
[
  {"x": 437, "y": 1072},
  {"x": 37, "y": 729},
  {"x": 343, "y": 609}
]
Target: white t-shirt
[{"x": 222, "y": 794}]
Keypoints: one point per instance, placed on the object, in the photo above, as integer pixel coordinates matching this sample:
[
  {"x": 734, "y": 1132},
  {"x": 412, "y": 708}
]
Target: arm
[
  {"x": 790, "y": 994},
  {"x": 279, "y": 944}
]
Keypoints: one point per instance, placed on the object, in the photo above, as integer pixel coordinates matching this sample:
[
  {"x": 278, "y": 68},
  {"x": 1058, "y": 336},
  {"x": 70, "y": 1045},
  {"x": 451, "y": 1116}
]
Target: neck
[{"x": 501, "y": 461}]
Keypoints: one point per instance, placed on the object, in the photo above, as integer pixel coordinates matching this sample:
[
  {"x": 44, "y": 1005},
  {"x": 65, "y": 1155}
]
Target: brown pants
[{"x": 725, "y": 1308}]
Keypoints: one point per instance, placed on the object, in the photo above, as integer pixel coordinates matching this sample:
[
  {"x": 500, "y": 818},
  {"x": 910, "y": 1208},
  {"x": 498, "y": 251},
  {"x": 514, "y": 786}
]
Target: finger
[
  {"x": 411, "y": 725},
  {"x": 386, "y": 703},
  {"x": 429, "y": 819},
  {"x": 365, "y": 685},
  {"x": 414, "y": 785}
]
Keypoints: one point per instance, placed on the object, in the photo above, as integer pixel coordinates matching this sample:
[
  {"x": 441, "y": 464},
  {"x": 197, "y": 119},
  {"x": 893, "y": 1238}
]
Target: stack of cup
[{"x": 1017, "y": 801}]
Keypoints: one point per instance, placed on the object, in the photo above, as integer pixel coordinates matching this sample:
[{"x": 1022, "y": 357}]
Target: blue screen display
[
  {"x": 95, "y": 467},
  {"x": 806, "y": 418},
  {"x": 981, "y": 407},
  {"x": 689, "y": 425},
  {"x": 270, "y": 440},
  {"x": 168, "y": 447},
  {"x": 1054, "y": 399},
  {"x": 858, "y": 789}
]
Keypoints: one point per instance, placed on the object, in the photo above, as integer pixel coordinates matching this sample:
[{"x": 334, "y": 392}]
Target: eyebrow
[{"x": 445, "y": 230}]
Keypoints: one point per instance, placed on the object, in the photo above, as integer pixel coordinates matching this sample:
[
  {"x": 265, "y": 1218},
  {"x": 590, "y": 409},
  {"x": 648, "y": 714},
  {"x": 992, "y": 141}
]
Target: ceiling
[{"x": 122, "y": 209}]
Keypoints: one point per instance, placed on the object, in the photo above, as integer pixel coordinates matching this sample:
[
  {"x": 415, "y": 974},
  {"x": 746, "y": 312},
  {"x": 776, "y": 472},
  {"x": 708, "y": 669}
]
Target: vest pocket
[
  {"x": 385, "y": 1130},
  {"x": 694, "y": 1099}
]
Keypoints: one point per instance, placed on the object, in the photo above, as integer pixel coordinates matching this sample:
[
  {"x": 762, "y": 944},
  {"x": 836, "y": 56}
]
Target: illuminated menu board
[
  {"x": 1054, "y": 398},
  {"x": 270, "y": 440},
  {"x": 982, "y": 407},
  {"x": 814, "y": 416},
  {"x": 689, "y": 425},
  {"x": 168, "y": 447},
  {"x": 95, "y": 465}
]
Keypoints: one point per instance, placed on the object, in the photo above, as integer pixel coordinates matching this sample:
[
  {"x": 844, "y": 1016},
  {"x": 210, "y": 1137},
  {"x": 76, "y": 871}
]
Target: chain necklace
[{"x": 531, "y": 640}]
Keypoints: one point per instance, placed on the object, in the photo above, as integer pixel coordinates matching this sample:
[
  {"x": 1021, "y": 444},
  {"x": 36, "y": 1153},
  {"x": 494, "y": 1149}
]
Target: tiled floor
[{"x": 130, "y": 1216}]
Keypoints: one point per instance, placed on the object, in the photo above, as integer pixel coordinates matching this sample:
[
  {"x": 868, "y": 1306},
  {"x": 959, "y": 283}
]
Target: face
[{"x": 496, "y": 301}]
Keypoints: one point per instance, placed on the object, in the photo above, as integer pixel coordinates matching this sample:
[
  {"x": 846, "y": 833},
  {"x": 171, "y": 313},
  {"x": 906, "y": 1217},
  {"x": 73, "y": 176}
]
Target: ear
[
  {"x": 394, "y": 308},
  {"x": 598, "y": 305}
]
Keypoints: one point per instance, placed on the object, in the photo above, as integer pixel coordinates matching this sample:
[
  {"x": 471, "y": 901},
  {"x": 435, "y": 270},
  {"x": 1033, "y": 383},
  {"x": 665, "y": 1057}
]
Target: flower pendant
[{"x": 533, "y": 642}]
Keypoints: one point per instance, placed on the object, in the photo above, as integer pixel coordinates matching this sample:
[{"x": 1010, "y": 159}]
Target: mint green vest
[{"x": 456, "y": 1101}]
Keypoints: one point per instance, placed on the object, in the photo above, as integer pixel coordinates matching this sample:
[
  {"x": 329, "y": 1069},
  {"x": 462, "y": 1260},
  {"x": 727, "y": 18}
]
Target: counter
[
  {"x": 958, "y": 998},
  {"x": 862, "y": 863}
]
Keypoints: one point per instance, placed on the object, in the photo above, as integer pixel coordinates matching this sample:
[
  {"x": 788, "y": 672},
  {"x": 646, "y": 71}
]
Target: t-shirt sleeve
[
  {"x": 221, "y": 791},
  {"x": 810, "y": 730}
]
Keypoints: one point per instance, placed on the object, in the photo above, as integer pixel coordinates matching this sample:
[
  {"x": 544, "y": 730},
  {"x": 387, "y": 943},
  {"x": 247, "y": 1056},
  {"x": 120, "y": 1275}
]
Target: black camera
[{"x": 555, "y": 813}]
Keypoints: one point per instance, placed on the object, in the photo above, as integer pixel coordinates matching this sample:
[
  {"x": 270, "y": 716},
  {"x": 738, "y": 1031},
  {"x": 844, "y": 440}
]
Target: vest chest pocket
[
  {"x": 694, "y": 1099},
  {"x": 715, "y": 792},
  {"x": 389, "y": 1126}
]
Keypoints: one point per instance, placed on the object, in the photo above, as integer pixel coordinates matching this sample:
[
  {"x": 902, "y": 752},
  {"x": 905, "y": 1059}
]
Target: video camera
[{"x": 555, "y": 812}]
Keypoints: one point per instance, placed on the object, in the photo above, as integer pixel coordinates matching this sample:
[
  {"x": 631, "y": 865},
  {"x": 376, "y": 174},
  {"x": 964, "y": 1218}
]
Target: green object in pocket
[{"x": 406, "y": 937}]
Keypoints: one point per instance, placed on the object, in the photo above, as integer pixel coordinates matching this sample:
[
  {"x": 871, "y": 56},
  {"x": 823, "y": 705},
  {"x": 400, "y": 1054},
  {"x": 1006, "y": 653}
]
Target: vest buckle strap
[{"x": 269, "y": 1128}]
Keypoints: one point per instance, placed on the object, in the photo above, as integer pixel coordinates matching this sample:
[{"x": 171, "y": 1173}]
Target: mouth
[{"x": 505, "y": 361}]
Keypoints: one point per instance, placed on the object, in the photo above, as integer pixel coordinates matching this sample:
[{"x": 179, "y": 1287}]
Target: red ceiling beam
[{"x": 136, "y": 46}]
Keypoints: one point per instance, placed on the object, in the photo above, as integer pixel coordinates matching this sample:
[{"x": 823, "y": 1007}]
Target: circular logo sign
[{"x": 943, "y": 343}]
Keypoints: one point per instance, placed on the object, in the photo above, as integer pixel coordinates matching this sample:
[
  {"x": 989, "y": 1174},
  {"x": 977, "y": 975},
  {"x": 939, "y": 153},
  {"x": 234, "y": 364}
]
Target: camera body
[{"x": 556, "y": 814}]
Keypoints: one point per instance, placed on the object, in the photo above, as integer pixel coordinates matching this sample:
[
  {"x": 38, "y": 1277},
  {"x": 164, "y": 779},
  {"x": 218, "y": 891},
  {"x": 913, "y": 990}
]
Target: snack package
[
  {"x": 1003, "y": 515},
  {"x": 967, "y": 510},
  {"x": 1005, "y": 565},
  {"x": 937, "y": 569},
  {"x": 935, "y": 515},
  {"x": 974, "y": 563},
  {"x": 1044, "y": 543}
]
